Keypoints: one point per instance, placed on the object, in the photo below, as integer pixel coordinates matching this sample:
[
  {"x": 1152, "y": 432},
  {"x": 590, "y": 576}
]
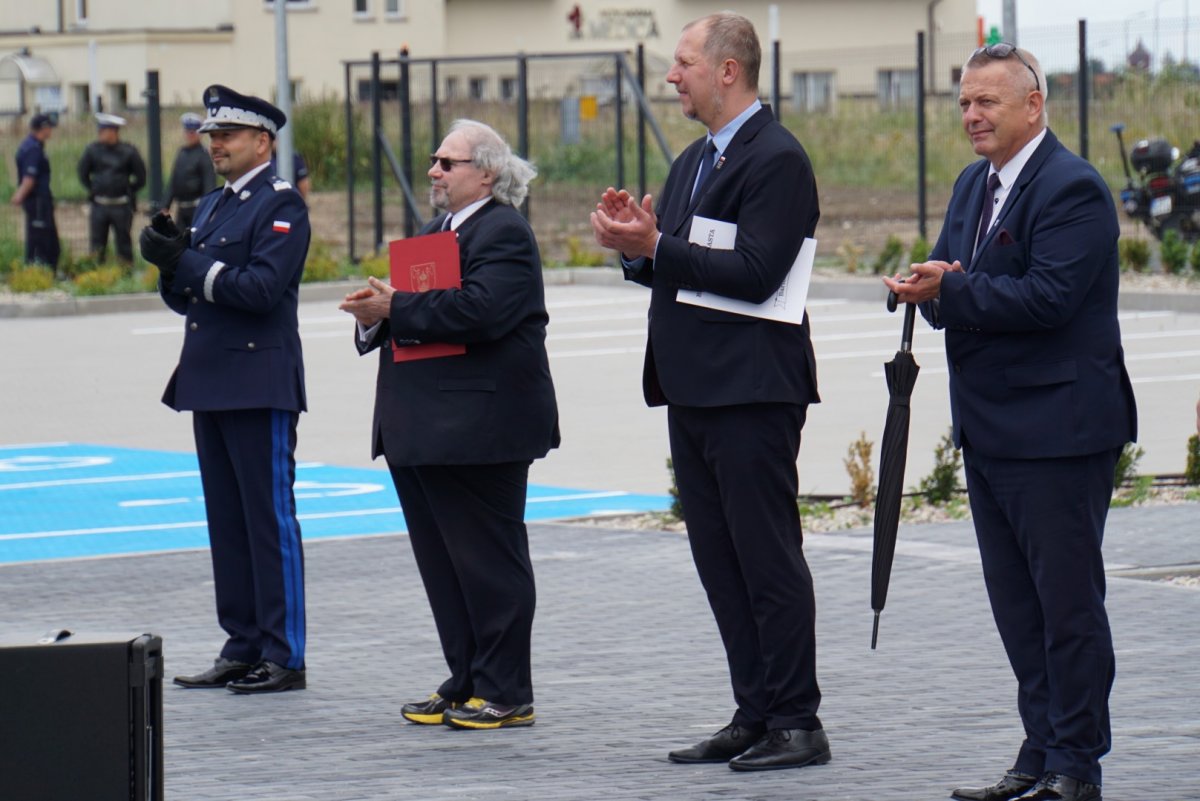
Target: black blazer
[
  {"x": 1034, "y": 347},
  {"x": 496, "y": 402},
  {"x": 703, "y": 357}
]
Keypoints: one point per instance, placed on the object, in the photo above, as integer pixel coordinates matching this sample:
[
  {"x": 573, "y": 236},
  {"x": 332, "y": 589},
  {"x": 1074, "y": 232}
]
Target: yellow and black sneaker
[
  {"x": 429, "y": 711},
  {"x": 480, "y": 714}
]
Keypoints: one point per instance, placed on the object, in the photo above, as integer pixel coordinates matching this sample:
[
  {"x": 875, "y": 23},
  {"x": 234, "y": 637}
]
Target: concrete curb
[{"x": 865, "y": 288}]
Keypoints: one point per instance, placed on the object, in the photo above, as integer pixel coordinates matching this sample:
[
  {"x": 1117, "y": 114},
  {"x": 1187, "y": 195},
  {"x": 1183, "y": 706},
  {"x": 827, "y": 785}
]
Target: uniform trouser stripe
[{"x": 292, "y": 566}]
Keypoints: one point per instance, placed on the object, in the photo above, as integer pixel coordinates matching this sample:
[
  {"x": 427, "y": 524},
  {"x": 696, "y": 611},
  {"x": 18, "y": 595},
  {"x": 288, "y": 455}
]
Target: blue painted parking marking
[{"x": 70, "y": 500}]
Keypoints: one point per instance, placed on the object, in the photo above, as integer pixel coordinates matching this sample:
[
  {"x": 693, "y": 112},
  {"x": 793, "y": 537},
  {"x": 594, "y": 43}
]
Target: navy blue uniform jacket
[
  {"x": 702, "y": 357},
  {"x": 1032, "y": 339},
  {"x": 238, "y": 284},
  {"x": 493, "y": 404}
]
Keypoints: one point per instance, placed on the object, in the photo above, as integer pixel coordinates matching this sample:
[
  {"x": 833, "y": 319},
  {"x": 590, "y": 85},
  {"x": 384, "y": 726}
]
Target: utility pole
[
  {"x": 283, "y": 96},
  {"x": 1010, "y": 21}
]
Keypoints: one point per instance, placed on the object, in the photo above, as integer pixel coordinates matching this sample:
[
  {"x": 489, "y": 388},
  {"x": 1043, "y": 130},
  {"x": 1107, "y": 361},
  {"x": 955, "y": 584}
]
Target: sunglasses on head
[
  {"x": 447, "y": 164},
  {"x": 1004, "y": 50}
]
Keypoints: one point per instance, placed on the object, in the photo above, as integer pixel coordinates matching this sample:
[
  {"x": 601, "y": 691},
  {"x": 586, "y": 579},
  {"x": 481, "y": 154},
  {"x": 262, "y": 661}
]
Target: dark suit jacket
[
  {"x": 496, "y": 402},
  {"x": 703, "y": 357},
  {"x": 1032, "y": 339},
  {"x": 241, "y": 345}
]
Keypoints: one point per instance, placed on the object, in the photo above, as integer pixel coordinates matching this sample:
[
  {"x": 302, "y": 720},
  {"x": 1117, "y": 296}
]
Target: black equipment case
[{"x": 81, "y": 718}]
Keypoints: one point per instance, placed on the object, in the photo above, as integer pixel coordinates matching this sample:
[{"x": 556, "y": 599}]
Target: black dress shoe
[
  {"x": 268, "y": 677},
  {"x": 1057, "y": 787},
  {"x": 785, "y": 748},
  {"x": 1010, "y": 786},
  {"x": 721, "y": 747},
  {"x": 221, "y": 673}
]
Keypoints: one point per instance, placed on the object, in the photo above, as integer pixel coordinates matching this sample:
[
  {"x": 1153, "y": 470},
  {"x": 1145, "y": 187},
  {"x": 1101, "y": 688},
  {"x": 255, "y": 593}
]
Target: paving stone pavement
[{"x": 627, "y": 665}]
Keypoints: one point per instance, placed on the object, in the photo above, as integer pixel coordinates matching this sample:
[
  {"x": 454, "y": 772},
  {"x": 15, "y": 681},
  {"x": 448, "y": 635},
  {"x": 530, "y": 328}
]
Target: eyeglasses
[
  {"x": 1004, "y": 50},
  {"x": 447, "y": 164}
]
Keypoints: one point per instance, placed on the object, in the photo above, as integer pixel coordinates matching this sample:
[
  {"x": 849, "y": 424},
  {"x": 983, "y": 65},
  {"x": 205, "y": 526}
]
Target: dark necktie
[
  {"x": 226, "y": 193},
  {"x": 706, "y": 166},
  {"x": 989, "y": 200}
]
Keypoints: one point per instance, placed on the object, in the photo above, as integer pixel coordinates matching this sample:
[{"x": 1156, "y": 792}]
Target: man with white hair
[{"x": 459, "y": 432}]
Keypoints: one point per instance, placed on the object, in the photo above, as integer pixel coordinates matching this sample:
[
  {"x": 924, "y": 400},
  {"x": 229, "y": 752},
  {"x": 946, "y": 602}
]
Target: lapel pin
[
  {"x": 245, "y": 194},
  {"x": 720, "y": 163}
]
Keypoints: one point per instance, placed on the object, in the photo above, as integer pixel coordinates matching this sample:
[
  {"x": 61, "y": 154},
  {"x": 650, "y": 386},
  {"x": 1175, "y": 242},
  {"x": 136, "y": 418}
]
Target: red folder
[{"x": 420, "y": 264}]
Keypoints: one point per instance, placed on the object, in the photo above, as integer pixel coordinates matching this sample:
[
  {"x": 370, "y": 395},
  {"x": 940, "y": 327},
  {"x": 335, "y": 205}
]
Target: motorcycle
[{"x": 1165, "y": 195}]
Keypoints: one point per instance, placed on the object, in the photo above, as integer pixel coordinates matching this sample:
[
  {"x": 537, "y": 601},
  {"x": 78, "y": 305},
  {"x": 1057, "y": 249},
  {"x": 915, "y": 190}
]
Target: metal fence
[{"x": 580, "y": 125}]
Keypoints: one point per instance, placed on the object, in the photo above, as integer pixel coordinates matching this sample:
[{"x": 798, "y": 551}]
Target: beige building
[{"x": 66, "y": 54}]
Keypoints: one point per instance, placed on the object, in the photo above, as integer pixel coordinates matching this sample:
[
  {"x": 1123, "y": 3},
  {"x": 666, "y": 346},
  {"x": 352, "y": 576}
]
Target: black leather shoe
[
  {"x": 429, "y": 712},
  {"x": 721, "y": 747},
  {"x": 785, "y": 748},
  {"x": 268, "y": 677},
  {"x": 1010, "y": 786},
  {"x": 1057, "y": 787},
  {"x": 221, "y": 673}
]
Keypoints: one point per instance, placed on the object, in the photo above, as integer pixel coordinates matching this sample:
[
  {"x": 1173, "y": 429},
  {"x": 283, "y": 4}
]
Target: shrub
[
  {"x": 1194, "y": 259},
  {"x": 579, "y": 255},
  {"x": 1192, "y": 474},
  {"x": 1174, "y": 251},
  {"x": 321, "y": 265},
  {"x": 377, "y": 266},
  {"x": 676, "y": 505},
  {"x": 1126, "y": 470},
  {"x": 889, "y": 258},
  {"x": 850, "y": 254},
  {"x": 941, "y": 485},
  {"x": 919, "y": 252},
  {"x": 100, "y": 281},
  {"x": 1135, "y": 254},
  {"x": 31, "y": 279},
  {"x": 858, "y": 467}
]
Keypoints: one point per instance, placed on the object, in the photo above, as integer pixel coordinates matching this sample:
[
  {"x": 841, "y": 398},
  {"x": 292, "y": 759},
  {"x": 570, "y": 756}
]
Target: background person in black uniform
[
  {"x": 737, "y": 388},
  {"x": 236, "y": 277},
  {"x": 459, "y": 432},
  {"x": 112, "y": 172},
  {"x": 192, "y": 175},
  {"x": 299, "y": 172},
  {"x": 33, "y": 193}
]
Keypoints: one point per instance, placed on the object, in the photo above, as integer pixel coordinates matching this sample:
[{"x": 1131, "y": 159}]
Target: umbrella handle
[
  {"x": 910, "y": 317},
  {"x": 875, "y": 631},
  {"x": 892, "y": 300}
]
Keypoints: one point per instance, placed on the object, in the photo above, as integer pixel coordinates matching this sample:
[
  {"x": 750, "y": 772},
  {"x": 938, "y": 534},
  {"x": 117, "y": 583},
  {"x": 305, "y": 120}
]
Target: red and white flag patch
[{"x": 281, "y": 226}]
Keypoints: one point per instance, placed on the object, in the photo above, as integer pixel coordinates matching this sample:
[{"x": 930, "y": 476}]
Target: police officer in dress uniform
[
  {"x": 192, "y": 176},
  {"x": 33, "y": 193},
  {"x": 112, "y": 172},
  {"x": 236, "y": 276}
]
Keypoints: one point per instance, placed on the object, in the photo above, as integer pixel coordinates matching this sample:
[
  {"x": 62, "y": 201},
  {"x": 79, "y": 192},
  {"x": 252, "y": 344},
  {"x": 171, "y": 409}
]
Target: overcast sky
[{"x": 1044, "y": 13}]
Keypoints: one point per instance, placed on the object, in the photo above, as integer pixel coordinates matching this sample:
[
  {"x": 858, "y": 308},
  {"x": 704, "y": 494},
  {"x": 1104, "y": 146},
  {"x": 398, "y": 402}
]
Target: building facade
[{"x": 80, "y": 55}]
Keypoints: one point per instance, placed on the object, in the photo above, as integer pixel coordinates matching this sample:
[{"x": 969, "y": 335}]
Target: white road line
[
  {"x": 31, "y": 445},
  {"x": 1165, "y": 379},
  {"x": 81, "y": 532},
  {"x": 119, "y": 479},
  {"x": 575, "y": 354}
]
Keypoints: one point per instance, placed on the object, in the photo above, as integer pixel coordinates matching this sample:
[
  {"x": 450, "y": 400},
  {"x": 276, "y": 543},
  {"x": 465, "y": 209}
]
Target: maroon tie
[{"x": 989, "y": 200}]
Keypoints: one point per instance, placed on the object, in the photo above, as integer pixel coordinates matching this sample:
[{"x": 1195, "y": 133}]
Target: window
[
  {"x": 813, "y": 91},
  {"x": 477, "y": 88},
  {"x": 452, "y": 88},
  {"x": 896, "y": 88},
  {"x": 118, "y": 96},
  {"x": 362, "y": 8},
  {"x": 388, "y": 90},
  {"x": 81, "y": 12},
  {"x": 508, "y": 88},
  {"x": 393, "y": 8}
]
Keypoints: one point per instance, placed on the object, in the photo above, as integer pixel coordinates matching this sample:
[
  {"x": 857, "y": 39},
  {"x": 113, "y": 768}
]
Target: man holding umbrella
[{"x": 1023, "y": 279}]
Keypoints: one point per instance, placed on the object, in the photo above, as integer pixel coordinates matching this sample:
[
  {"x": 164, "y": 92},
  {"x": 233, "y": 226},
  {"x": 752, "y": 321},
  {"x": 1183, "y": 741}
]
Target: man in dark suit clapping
[
  {"x": 1023, "y": 278},
  {"x": 737, "y": 388},
  {"x": 459, "y": 432}
]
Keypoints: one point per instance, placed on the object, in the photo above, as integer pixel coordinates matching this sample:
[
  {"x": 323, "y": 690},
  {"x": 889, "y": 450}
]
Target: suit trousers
[
  {"x": 735, "y": 467},
  {"x": 248, "y": 469},
  {"x": 120, "y": 219},
  {"x": 467, "y": 528},
  {"x": 1040, "y": 526}
]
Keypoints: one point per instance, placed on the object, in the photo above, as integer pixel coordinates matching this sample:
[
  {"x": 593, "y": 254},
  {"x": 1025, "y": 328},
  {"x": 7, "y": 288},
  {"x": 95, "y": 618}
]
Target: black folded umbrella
[{"x": 901, "y": 374}]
